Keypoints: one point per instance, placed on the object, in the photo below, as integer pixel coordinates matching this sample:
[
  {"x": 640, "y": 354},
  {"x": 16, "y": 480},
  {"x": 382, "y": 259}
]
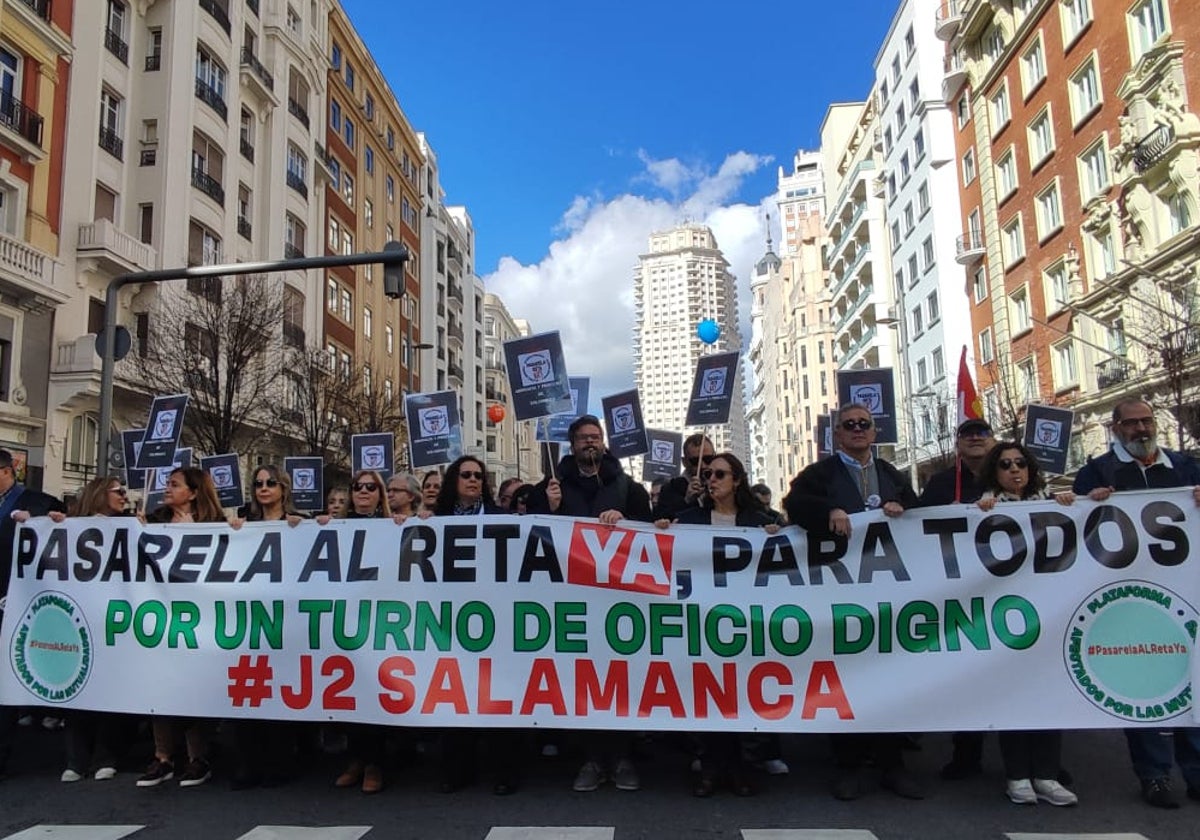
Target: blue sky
[{"x": 571, "y": 130}]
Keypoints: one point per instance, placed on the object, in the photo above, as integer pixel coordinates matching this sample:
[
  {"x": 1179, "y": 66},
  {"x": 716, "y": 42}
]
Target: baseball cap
[{"x": 975, "y": 425}]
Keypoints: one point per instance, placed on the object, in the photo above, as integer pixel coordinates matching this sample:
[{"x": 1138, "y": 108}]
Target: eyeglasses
[
  {"x": 369, "y": 486},
  {"x": 707, "y": 459},
  {"x": 589, "y": 438},
  {"x": 1009, "y": 463},
  {"x": 470, "y": 474},
  {"x": 397, "y": 490},
  {"x": 860, "y": 425},
  {"x": 1134, "y": 422},
  {"x": 120, "y": 491},
  {"x": 265, "y": 482},
  {"x": 719, "y": 475}
]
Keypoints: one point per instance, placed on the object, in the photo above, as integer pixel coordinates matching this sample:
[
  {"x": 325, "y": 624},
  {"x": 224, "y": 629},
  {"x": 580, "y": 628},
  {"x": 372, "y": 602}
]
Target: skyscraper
[{"x": 683, "y": 279}]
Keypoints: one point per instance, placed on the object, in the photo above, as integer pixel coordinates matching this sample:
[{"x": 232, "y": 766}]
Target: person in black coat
[
  {"x": 15, "y": 497},
  {"x": 821, "y": 499},
  {"x": 684, "y": 491}
]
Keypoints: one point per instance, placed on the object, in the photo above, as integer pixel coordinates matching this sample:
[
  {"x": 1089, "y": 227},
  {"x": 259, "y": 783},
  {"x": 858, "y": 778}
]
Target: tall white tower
[{"x": 683, "y": 279}]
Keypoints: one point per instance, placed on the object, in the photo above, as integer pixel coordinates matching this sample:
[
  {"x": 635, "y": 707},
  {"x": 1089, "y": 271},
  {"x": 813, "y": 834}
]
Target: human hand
[{"x": 839, "y": 522}]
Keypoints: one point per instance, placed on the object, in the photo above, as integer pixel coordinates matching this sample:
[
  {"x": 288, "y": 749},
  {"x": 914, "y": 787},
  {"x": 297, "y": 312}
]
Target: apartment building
[
  {"x": 512, "y": 449},
  {"x": 1076, "y": 131}
]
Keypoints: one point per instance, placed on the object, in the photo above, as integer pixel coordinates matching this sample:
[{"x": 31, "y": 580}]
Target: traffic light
[{"x": 393, "y": 273}]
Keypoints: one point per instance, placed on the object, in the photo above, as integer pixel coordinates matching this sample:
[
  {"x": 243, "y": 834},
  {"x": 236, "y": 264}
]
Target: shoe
[
  {"x": 1049, "y": 790},
  {"x": 625, "y": 777},
  {"x": 158, "y": 772},
  {"x": 1020, "y": 792},
  {"x": 51, "y": 723},
  {"x": 196, "y": 773},
  {"x": 103, "y": 774},
  {"x": 351, "y": 776},
  {"x": 900, "y": 782},
  {"x": 590, "y": 777},
  {"x": 956, "y": 770},
  {"x": 704, "y": 788},
  {"x": 775, "y": 767},
  {"x": 70, "y": 775},
  {"x": 372, "y": 781},
  {"x": 847, "y": 786},
  {"x": 1157, "y": 792}
]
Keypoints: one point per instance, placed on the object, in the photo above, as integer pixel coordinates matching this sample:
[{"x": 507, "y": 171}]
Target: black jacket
[
  {"x": 672, "y": 498},
  {"x": 939, "y": 490},
  {"x": 751, "y": 518},
  {"x": 827, "y": 485},
  {"x": 36, "y": 503},
  {"x": 611, "y": 489},
  {"x": 1108, "y": 470}
]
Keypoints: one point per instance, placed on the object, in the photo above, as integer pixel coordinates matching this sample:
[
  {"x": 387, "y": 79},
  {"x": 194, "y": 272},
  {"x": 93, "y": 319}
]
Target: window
[
  {"x": 1027, "y": 380},
  {"x": 154, "y": 48},
  {"x": 1058, "y": 290},
  {"x": 391, "y": 138},
  {"x": 1103, "y": 253},
  {"x": 369, "y": 159},
  {"x": 1085, "y": 91},
  {"x": 1019, "y": 306},
  {"x": 913, "y": 273},
  {"x": 1006, "y": 174},
  {"x": 347, "y": 241},
  {"x": 897, "y": 240},
  {"x": 1041, "y": 138},
  {"x": 993, "y": 43},
  {"x": 905, "y": 168},
  {"x": 348, "y": 188},
  {"x": 922, "y": 373},
  {"x": 933, "y": 308},
  {"x": 962, "y": 110},
  {"x": 1049, "y": 211},
  {"x": 348, "y": 132},
  {"x": 297, "y": 164},
  {"x": 910, "y": 44},
  {"x": 979, "y": 285},
  {"x": 919, "y": 143},
  {"x": 914, "y": 95},
  {"x": 204, "y": 246},
  {"x": 294, "y": 234},
  {"x": 899, "y": 277},
  {"x": 369, "y": 107},
  {"x": 1001, "y": 114},
  {"x": 1179, "y": 217},
  {"x": 895, "y": 71},
  {"x": 335, "y": 233},
  {"x": 349, "y": 75},
  {"x": 927, "y": 255},
  {"x": 918, "y": 321},
  {"x": 909, "y": 218},
  {"x": 368, "y": 213},
  {"x": 985, "y": 346},
  {"x": 901, "y": 118},
  {"x": 1077, "y": 14},
  {"x": 939, "y": 363},
  {"x": 1066, "y": 372},
  {"x": 968, "y": 167},
  {"x": 106, "y": 204},
  {"x": 335, "y": 57},
  {"x": 389, "y": 339},
  {"x": 1033, "y": 67},
  {"x": 1147, "y": 26},
  {"x": 390, "y": 189},
  {"x": 146, "y": 223},
  {"x": 211, "y": 74},
  {"x": 887, "y": 139},
  {"x": 366, "y": 322},
  {"x": 923, "y": 199},
  {"x": 346, "y": 299},
  {"x": 335, "y": 116},
  {"x": 1014, "y": 241},
  {"x": 111, "y": 108}
]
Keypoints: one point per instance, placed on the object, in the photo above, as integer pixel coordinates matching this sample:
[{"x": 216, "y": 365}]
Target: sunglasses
[
  {"x": 860, "y": 425},
  {"x": 120, "y": 491},
  {"x": 265, "y": 482},
  {"x": 369, "y": 486},
  {"x": 707, "y": 459},
  {"x": 719, "y": 475},
  {"x": 470, "y": 474},
  {"x": 1009, "y": 463}
]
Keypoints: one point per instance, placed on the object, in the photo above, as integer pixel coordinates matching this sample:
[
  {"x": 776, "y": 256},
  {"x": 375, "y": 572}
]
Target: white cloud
[{"x": 583, "y": 287}]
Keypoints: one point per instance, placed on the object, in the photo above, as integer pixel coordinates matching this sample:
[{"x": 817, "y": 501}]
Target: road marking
[
  {"x": 807, "y": 834},
  {"x": 302, "y": 832},
  {"x": 1026, "y": 836},
  {"x": 550, "y": 832},
  {"x": 75, "y": 832}
]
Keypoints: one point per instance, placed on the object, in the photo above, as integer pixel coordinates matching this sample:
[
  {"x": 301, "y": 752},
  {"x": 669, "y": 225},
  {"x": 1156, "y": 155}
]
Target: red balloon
[{"x": 495, "y": 412}]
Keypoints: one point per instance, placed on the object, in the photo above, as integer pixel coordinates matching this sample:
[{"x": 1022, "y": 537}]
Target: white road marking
[
  {"x": 302, "y": 832},
  {"x": 75, "y": 832},
  {"x": 550, "y": 832}
]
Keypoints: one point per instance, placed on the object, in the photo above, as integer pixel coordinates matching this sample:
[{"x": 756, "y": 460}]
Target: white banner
[{"x": 1035, "y": 615}]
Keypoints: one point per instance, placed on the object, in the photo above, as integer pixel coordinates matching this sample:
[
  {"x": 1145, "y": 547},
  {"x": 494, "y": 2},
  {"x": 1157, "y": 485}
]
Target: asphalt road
[{"x": 412, "y": 807}]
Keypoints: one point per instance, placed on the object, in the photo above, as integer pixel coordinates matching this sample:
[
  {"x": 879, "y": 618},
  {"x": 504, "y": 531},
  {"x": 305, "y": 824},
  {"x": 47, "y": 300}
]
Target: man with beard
[
  {"x": 1137, "y": 462},
  {"x": 684, "y": 491},
  {"x": 591, "y": 482}
]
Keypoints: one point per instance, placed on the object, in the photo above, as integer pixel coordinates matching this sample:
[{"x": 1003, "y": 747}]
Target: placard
[
  {"x": 712, "y": 389},
  {"x": 226, "y": 474},
  {"x": 374, "y": 451},
  {"x": 537, "y": 376},
  {"x": 163, "y": 429},
  {"x": 874, "y": 389},
  {"x": 1048, "y": 435},
  {"x": 626, "y": 432},
  {"x": 308, "y": 482},
  {"x": 663, "y": 455},
  {"x": 434, "y": 428}
]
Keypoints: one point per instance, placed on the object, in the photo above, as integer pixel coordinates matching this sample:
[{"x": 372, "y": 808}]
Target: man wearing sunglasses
[
  {"x": 684, "y": 491},
  {"x": 821, "y": 500},
  {"x": 14, "y": 496},
  {"x": 1135, "y": 461},
  {"x": 960, "y": 483}
]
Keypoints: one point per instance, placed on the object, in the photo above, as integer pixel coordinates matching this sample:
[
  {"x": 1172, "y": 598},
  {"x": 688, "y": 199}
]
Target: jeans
[{"x": 1152, "y": 751}]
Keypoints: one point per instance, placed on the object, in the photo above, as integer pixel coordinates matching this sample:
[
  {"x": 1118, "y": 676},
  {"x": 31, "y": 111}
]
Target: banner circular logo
[
  {"x": 1128, "y": 648},
  {"x": 51, "y": 649}
]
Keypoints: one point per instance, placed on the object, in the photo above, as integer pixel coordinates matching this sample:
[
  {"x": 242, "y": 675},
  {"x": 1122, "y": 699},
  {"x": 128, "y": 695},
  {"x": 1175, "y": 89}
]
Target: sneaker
[
  {"x": 158, "y": 772},
  {"x": 70, "y": 775},
  {"x": 1050, "y": 790},
  {"x": 625, "y": 777},
  {"x": 775, "y": 767},
  {"x": 590, "y": 777},
  {"x": 196, "y": 773},
  {"x": 103, "y": 774},
  {"x": 1020, "y": 791},
  {"x": 1157, "y": 792}
]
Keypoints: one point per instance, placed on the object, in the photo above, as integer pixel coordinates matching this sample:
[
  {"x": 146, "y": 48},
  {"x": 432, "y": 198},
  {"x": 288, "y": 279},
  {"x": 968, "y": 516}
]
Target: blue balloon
[{"x": 708, "y": 331}]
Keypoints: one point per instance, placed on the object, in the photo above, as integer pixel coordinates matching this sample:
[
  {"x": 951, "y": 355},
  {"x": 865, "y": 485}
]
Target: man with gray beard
[{"x": 1137, "y": 462}]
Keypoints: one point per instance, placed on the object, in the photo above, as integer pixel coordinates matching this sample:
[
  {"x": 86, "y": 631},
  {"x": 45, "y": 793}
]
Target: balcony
[
  {"x": 455, "y": 331},
  {"x": 218, "y": 12},
  {"x": 28, "y": 276},
  {"x": 293, "y": 335},
  {"x": 325, "y": 160},
  {"x": 153, "y": 62},
  {"x": 24, "y": 122},
  {"x": 292, "y": 251},
  {"x": 968, "y": 248},
  {"x": 244, "y": 228},
  {"x": 252, "y": 5},
  {"x": 257, "y": 75},
  {"x": 208, "y": 185},
  {"x": 454, "y": 371},
  {"x": 954, "y": 75},
  {"x": 115, "y": 44},
  {"x": 456, "y": 292},
  {"x": 113, "y": 250},
  {"x": 246, "y": 149},
  {"x": 1152, "y": 148},
  {"x": 207, "y": 94},
  {"x": 298, "y": 111},
  {"x": 112, "y": 143},
  {"x": 296, "y": 182},
  {"x": 1111, "y": 372},
  {"x": 947, "y": 19}
]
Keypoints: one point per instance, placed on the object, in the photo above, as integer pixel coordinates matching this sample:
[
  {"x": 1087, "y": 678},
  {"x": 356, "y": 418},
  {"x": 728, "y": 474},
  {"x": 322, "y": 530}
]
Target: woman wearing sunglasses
[
  {"x": 726, "y": 502},
  {"x": 1032, "y": 759}
]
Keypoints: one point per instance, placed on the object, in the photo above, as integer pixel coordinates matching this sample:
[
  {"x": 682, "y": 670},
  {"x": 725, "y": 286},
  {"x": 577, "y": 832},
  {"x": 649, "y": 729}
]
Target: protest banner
[
  {"x": 1033, "y": 615},
  {"x": 434, "y": 428},
  {"x": 626, "y": 432},
  {"x": 308, "y": 482}
]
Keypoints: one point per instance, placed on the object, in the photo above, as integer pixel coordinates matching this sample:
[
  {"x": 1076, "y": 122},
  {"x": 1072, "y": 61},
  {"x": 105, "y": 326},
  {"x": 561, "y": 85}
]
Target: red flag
[{"x": 969, "y": 406}]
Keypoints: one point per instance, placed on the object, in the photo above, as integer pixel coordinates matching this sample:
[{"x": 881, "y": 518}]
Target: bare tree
[
  {"x": 318, "y": 400},
  {"x": 1011, "y": 399},
  {"x": 374, "y": 409},
  {"x": 218, "y": 341}
]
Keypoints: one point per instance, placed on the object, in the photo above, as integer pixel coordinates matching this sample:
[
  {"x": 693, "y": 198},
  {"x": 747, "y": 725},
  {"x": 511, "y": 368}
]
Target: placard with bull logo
[
  {"x": 873, "y": 388},
  {"x": 712, "y": 389},
  {"x": 131, "y": 445},
  {"x": 824, "y": 435},
  {"x": 308, "y": 482},
  {"x": 623, "y": 416},
  {"x": 537, "y": 376},
  {"x": 554, "y": 428},
  {"x": 156, "y": 478},
  {"x": 662, "y": 459},
  {"x": 226, "y": 475},
  {"x": 435, "y": 431},
  {"x": 1048, "y": 435},
  {"x": 162, "y": 433},
  {"x": 373, "y": 451}
]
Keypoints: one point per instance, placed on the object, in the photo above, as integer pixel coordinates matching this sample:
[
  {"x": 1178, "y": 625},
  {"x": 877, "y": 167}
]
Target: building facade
[{"x": 512, "y": 449}]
